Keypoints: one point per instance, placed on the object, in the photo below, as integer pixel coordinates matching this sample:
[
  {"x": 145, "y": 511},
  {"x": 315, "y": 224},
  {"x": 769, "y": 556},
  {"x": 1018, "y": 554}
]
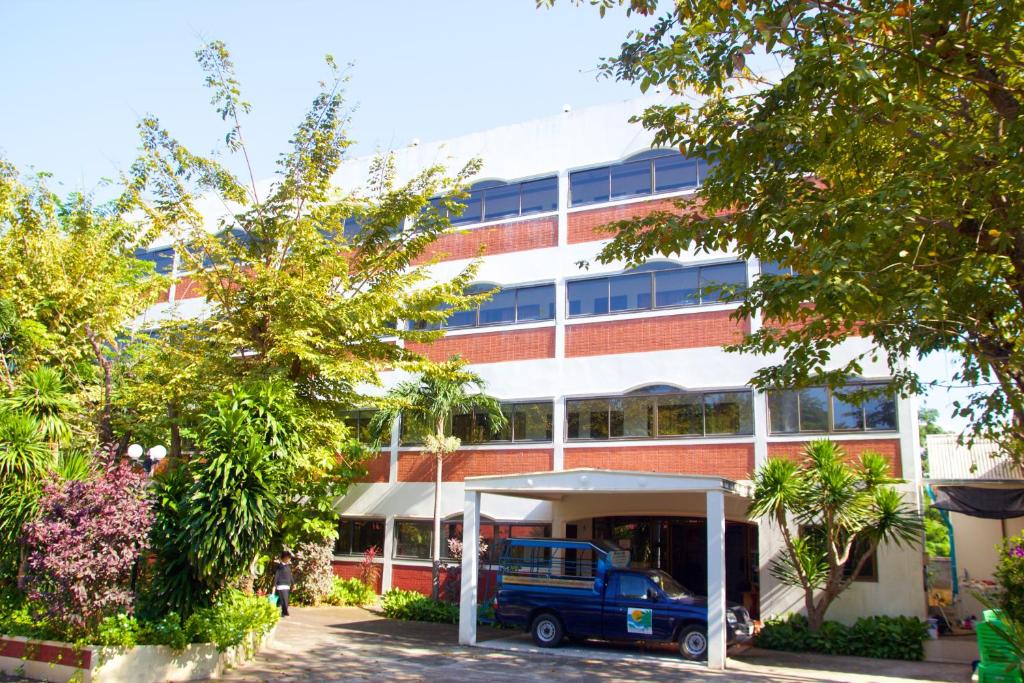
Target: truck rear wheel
[
  {"x": 547, "y": 630},
  {"x": 693, "y": 642}
]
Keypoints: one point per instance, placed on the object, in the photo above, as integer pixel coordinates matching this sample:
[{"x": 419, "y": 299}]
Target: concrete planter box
[{"x": 60, "y": 662}]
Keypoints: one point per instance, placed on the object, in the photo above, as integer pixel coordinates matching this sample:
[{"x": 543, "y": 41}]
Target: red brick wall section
[
  {"x": 492, "y": 347},
  {"x": 733, "y": 461},
  {"x": 583, "y": 225},
  {"x": 419, "y": 579},
  {"x": 377, "y": 469},
  {"x": 415, "y": 466},
  {"x": 890, "y": 448},
  {"x": 187, "y": 288},
  {"x": 50, "y": 654},
  {"x": 351, "y": 570},
  {"x": 684, "y": 331},
  {"x": 495, "y": 239}
]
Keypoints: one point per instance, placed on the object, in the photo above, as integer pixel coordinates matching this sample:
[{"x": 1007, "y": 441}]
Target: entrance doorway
[{"x": 678, "y": 545}]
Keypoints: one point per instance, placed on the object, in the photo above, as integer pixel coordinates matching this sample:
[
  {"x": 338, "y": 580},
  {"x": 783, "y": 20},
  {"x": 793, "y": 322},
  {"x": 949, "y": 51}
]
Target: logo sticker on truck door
[{"x": 640, "y": 621}]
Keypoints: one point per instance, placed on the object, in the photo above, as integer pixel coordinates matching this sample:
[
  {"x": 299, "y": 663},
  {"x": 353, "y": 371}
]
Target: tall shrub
[
  {"x": 84, "y": 544},
  {"x": 313, "y": 574}
]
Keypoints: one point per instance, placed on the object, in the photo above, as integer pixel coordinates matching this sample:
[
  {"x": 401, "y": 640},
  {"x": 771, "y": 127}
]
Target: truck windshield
[{"x": 670, "y": 586}]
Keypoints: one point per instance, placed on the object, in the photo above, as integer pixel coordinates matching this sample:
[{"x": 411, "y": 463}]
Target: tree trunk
[
  {"x": 435, "y": 551},
  {"x": 172, "y": 415}
]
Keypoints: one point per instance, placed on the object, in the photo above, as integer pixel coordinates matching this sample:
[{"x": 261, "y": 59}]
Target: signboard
[
  {"x": 619, "y": 559},
  {"x": 640, "y": 621}
]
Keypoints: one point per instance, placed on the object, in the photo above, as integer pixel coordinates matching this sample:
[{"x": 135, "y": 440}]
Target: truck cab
[{"x": 559, "y": 588}]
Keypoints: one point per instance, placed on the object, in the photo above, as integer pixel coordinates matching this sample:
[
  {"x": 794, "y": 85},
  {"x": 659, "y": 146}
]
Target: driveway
[{"x": 352, "y": 644}]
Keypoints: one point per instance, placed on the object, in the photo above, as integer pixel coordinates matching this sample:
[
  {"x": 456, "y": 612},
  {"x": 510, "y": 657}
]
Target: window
[
  {"x": 655, "y": 415},
  {"x": 817, "y": 409},
  {"x": 650, "y": 172},
  {"x": 413, "y": 539},
  {"x": 655, "y": 286},
  {"x": 492, "y": 200},
  {"x": 507, "y": 306},
  {"x": 162, "y": 259},
  {"x": 632, "y": 587},
  {"x": 494, "y": 535},
  {"x": 358, "y": 422},
  {"x": 526, "y": 422},
  {"x": 356, "y": 536}
]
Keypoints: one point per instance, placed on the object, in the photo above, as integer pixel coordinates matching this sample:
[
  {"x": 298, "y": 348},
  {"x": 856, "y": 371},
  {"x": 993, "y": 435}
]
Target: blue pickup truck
[{"x": 568, "y": 588}]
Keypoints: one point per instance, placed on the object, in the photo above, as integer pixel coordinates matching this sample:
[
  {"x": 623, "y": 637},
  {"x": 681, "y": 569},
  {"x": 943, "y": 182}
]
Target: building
[{"x": 610, "y": 370}]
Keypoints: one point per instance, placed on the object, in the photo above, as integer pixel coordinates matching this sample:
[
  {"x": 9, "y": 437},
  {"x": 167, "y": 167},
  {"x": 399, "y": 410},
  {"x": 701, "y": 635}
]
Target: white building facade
[{"x": 609, "y": 369}]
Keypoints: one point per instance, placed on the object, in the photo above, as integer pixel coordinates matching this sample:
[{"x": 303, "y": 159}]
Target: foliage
[
  {"x": 836, "y": 505},
  {"x": 312, "y": 572},
  {"x": 881, "y": 637},
  {"x": 426, "y": 405},
  {"x": 936, "y": 534},
  {"x": 369, "y": 570},
  {"x": 882, "y": 165},
  {"x": 42, "y": 395},
  {"x": 84, "y": 545},
  {"x": 413, "y": 606},
  {"x": 227, "y": 622},
  {"x": 350, "y": 592},
  {"x": 1009, "y": 574},
  {"x": 216, "y": 512}
]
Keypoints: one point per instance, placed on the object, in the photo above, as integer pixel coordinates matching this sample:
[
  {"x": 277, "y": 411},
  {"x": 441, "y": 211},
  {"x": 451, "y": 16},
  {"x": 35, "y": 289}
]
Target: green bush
[
  {"x": 120, "y": 630},
  {"x": 349, "y": 592},
  {"x": 412, "y": 606},
  {"x": 230, "y": 619},
  {"x": 879, "y": 637}
]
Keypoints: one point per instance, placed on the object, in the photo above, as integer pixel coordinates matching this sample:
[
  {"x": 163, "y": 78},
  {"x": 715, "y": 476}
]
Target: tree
[
  {"x": 835, "y": 507},
  {"x": 880, "y": 172},
  {"x": 426, "y": 405},
  {"x": 85, "y": 543},
  {"x": 928, "y": 424}
]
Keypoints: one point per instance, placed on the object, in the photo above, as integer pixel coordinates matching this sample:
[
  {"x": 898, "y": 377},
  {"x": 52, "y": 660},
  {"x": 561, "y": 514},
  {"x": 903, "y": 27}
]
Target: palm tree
[
  {"x": 42, "y": 394},
  {"x": 837, "y": 507},
  {"x": 428, "y": 404}
]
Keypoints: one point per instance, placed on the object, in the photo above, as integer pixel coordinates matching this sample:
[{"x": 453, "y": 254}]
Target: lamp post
[{"x": 153, "y": 456}]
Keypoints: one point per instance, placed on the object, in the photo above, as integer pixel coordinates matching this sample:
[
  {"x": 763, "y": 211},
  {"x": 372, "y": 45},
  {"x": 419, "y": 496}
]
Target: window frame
[
  {"x": 830, "y": 407},
  {"x": 415, "y": 325},
  {"x": 701, "y": 397},
  {"x": 351, "y": 536},
  {"x": 652, "y": 274},
  {"x": 430, "y": 538},
  {"x": 650, "y": 156},
  {"x": 511, "y": 427},
  {"x": 478, "y": 193}
]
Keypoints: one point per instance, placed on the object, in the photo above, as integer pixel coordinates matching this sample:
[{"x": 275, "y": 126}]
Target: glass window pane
[
  {"x": 412, "y": 539},
  {"x": 413, "y": 432},
  {"x": 587, "y": 419},
  {"x": 588, "y": 297},
  {"x": 532, "y": 421},
  {"x": 473, "y": 206},
  {"x": 880, "y": 412},
  {"x": 535, "y": 303},
  {"x": 615, "y": 417},
  {"x": 783, "y": 411},
  {"x": 589, "y": 187},
  {"x": 814, "y": 409},
  {"x": 678, "y": 287},
  {"x": 631, "y": 180},
  {"x": 637, "y": 416},
  {"x": 680, "y": 415},
  {"x": 729, "y": 413},
  {"x": 459, "y": 319},
  {"x": 366, "y": 534},
  {"x": 500, "y": 308},
  {"x": 483, "y": 432},
  {"x": 674, "y": 172},
  {"x": 462, "y": 427},
  {"x": 162, "y": 259},
  {"x": 716, "y": 276},
  {"x": 501, "y": 202},
  {"x": 540, "y": 195},
  {"x": 774, "y": 268},
  {"x": 631, "y": 292},
  {"x": 343, "y": 544},
  {"x": 846, "y": 415}
]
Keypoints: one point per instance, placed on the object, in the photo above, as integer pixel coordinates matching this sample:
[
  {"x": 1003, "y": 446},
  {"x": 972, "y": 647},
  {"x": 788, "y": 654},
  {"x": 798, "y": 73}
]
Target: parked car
[{"x": 559, "y": 588}]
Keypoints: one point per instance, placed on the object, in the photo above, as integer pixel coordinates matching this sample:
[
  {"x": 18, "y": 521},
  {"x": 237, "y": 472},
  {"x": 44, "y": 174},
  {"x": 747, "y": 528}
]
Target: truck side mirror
[{"x": 652, "y": 594}]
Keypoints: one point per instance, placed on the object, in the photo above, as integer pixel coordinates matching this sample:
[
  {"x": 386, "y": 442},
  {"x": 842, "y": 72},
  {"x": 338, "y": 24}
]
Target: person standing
[{"x": 283, "y": 581}]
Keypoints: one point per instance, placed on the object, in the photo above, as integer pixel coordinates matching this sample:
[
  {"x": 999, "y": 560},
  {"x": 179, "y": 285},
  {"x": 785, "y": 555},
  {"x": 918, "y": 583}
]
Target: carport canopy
[{"x": 554, "y": 486}]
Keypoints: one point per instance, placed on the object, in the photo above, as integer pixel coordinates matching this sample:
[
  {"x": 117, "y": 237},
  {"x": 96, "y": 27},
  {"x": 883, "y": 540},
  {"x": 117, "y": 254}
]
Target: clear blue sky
[{"x": 80, "y": 74}]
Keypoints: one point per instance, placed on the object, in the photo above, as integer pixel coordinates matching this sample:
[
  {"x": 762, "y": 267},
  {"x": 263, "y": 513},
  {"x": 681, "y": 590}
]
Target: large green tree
[
  {"x": 425, "y": 405},
  {"x": 881, "y": 164}
]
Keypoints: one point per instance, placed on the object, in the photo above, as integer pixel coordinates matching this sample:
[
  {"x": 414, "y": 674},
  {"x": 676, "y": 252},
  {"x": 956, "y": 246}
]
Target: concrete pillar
[
  {"x": 470, "y": 568},
  {"x": 387, "y": 552},
  {"x": 716, "y": 580}
]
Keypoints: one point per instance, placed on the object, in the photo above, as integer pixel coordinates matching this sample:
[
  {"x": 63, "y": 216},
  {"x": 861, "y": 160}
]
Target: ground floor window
[
  {"x": 356, "y": 536},
  {"x": 413, "y": 537}
]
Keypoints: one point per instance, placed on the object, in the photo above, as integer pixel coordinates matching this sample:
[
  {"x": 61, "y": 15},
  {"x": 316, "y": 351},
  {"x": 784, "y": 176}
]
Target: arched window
[
  {"x": 653, "y": 171},
  {"x": 491, "y": 200}
]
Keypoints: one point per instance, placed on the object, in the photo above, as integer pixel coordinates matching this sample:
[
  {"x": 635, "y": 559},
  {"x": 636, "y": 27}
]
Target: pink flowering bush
[
  {"x": 84, "y": 543},
  {"x": 1009, "y": 574}
]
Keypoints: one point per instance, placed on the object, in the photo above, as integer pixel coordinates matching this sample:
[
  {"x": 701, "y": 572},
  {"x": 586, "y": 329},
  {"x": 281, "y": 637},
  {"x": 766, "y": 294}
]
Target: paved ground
[{"x": 350, "y": 644}]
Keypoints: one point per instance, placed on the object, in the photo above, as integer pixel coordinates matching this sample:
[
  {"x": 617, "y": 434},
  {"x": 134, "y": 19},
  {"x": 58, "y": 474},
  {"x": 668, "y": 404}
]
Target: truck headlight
[{"x": 730, "y": 618}]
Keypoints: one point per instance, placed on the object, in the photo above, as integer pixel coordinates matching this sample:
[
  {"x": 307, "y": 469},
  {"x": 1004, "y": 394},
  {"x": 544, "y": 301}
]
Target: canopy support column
[
  {"x": 470, "y": 568},
  {"x": 716, "y": 580}
]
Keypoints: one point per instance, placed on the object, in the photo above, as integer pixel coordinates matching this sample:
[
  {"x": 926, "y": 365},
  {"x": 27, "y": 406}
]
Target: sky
[{"x": 79, "y": 76}]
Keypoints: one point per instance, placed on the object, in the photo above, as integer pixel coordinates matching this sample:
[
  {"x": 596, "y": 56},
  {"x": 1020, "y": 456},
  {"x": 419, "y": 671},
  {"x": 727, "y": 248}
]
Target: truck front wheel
[
  {"x": 693, "y": 642},
  {"x": 547, "y": 630}
]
